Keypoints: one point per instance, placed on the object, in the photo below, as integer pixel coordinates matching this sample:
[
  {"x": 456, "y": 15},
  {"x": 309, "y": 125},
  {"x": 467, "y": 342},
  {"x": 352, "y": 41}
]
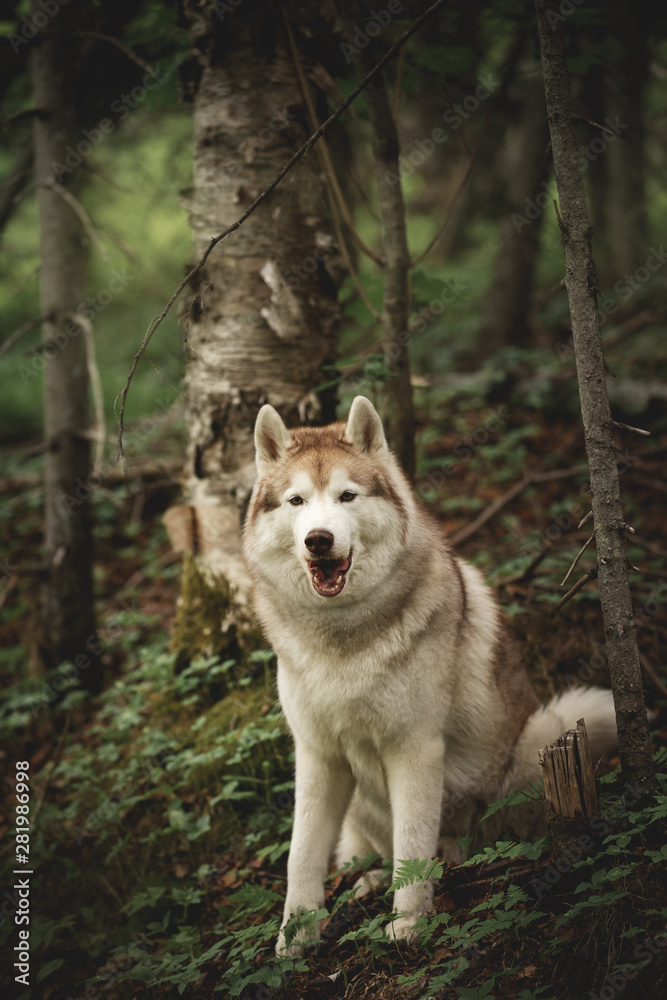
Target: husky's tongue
[{"x": 328, "y": 575}]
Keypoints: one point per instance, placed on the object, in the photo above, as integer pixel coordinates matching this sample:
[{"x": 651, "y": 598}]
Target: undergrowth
[{"x": 184, "y": 838}]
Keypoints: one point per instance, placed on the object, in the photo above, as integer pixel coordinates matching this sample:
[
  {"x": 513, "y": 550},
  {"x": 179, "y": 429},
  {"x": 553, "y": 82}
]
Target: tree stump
[{"x": 569, "y": 786}]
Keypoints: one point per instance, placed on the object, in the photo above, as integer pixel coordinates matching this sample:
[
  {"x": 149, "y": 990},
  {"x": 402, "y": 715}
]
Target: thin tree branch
[
  {"x": 628, "y": 427},
  {"x": 305, "y": 148},
  {"x": 535, "y": 477},
  {"x": 400, "y": 65},
  {"x": 117, "y": 43},
  {"x": 11, "y": 188},
  {"x": 98, "y": 430},
  {"x": 399, "y": 413},
  {"x": 14, "y": 337},
  {"x": 526, "y": 573},
  {"x": 491, "y": 511},
  {"x": 648, "y": 668},
  {"x": 591, "y": 575},
  {"x": 577, "y": 558},
  {"x": 449, "y": 211},
  {"x": 83, "y": 216}
]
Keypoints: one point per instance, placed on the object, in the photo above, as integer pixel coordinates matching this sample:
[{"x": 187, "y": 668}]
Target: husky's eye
[
  {"x": 347, "y": 496},
  {"x": 296, "y": 501}
]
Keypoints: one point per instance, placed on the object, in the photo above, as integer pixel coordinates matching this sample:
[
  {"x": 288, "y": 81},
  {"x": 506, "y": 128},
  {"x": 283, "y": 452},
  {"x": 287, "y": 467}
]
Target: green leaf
[{"x": 50, "y": 967}]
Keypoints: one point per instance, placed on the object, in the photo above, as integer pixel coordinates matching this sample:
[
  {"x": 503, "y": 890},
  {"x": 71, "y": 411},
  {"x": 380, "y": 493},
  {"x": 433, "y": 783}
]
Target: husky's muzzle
[{"x": 328, "y": 575}]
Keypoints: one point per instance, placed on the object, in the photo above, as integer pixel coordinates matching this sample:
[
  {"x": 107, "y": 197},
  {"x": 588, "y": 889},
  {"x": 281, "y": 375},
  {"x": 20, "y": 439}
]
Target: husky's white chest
[{"x": 334, "y": 704}]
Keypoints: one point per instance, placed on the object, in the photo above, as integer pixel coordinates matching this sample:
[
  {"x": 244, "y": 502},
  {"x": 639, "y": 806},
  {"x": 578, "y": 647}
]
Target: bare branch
[
  {"x": 83, "y": 216},
  {"x": 628, "y": 427},
  {"x": 14, "y": 337},
  {"x": 577, "y": 558},
  {"x": 98, "y": 430},
  {"x": 117, "y": 43},
  {"x": 591, "y": 575}
]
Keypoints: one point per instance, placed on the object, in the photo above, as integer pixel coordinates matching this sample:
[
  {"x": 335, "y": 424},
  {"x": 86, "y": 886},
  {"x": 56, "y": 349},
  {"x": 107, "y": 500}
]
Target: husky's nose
[{"x": 319, "y": 541}]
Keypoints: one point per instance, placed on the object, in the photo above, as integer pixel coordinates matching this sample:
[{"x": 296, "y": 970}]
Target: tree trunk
[
  {"x": 398, "y": 410},
  {"x": 580, "y": 278},
  {"x": 263, "y": 321},
  {"x": 67, "y": 613},
  {"x": 506, "y": 319}
]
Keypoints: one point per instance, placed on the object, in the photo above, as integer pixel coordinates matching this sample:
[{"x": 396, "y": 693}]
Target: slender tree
[
  {"x": 398, "y": 410},
  {"x": 609, "y": 523},
  {"x": 67, "y": 615}
]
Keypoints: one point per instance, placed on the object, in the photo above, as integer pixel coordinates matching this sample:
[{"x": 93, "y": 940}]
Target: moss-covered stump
[{"x": 209, "y": 621}]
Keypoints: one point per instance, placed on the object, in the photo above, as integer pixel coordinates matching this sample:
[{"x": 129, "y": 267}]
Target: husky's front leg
[
  {"x": 323, "y": 792},
  {"x": 416, "y": 780}
]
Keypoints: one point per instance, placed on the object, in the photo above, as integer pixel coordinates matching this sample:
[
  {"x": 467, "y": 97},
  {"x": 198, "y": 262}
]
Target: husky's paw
[
  {"x": 302, "y": 940},
  {"x": 299, "y": 932},
  {"x": 370, "y": 881},
  {"x": 403, "y": 929}
]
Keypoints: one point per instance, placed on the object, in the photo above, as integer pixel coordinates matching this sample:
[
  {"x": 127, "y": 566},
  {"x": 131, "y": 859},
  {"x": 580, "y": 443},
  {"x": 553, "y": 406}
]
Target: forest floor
[{"x": 161, "y": 809}]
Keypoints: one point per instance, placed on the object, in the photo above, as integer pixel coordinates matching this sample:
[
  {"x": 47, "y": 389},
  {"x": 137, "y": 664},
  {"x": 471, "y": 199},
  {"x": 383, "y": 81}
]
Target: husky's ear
[
  {"x": 364, "y": 427},
  {"x": 271, "y": 438}
]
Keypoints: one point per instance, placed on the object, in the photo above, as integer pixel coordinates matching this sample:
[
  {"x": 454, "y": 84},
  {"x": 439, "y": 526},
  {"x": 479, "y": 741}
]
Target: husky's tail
[
  {"x": 594, "y": 705},
  {"x": 545, "y": 725}
]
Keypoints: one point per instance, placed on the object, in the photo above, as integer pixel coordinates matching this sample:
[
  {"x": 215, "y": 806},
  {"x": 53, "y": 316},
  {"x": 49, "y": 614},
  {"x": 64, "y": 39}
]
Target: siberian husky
[{"x": 408, "y": 705}]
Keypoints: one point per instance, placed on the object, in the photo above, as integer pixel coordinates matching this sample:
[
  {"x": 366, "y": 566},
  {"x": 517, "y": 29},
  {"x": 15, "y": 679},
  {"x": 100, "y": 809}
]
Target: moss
[{"x": 209, "y": 621}]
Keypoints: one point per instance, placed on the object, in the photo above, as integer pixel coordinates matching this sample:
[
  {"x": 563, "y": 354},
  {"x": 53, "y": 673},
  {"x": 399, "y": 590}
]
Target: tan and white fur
[{"x": 409, "y": 708}]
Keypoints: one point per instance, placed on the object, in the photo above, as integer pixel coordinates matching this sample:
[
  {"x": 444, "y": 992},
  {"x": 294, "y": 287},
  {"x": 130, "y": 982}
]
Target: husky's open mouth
[{"x": 328, "y": 575}]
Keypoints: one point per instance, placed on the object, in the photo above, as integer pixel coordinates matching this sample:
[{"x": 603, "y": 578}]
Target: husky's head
[{"x": 329, "y": 509}]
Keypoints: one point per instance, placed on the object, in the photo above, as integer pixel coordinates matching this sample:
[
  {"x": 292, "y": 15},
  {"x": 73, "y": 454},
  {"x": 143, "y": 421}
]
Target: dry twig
[
  {"x": 577, "y": 558},
  {"x": 591, "y": 575}
]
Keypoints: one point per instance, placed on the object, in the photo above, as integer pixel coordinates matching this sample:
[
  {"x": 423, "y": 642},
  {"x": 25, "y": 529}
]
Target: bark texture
[
  {"x": 580, "y": 277},
  {"x": 264, "y": 316},
  {"x": 398, "y": 415},
  {"x": 67, "y": 616}
]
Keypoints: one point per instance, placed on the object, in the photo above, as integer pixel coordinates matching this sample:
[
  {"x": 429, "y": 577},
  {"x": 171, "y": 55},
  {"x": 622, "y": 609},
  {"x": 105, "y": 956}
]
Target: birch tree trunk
[
  {"x": 581, "y": 281},
  {"x": 67, "y": 626},
  {"x": 264, "y": 315},
  {"x": 398, "y": 415}
]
